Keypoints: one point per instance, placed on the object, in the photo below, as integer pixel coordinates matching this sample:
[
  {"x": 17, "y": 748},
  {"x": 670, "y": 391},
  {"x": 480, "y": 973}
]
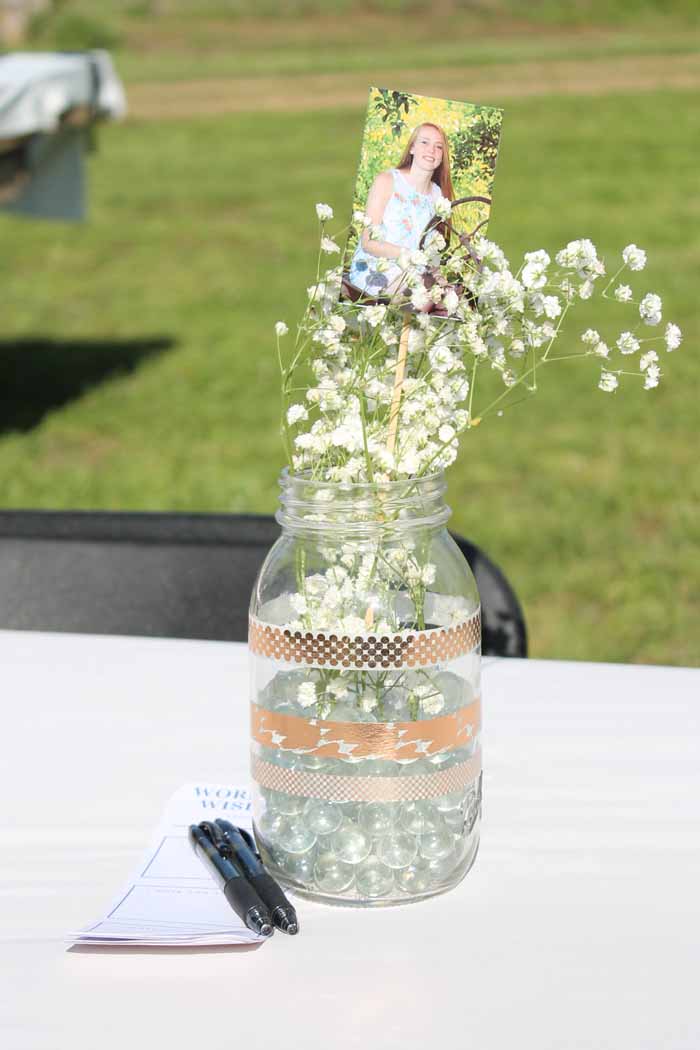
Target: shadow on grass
[{"x": 38, "y": 375}]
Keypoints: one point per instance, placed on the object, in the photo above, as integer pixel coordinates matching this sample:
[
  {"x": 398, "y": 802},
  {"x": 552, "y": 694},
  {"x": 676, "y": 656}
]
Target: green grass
[
  {"x": 192, "y": 41},
  {"x": 202, "y": 234},
  {"x": 175, "y": 47},
  {"x": 273, "y": 57}
]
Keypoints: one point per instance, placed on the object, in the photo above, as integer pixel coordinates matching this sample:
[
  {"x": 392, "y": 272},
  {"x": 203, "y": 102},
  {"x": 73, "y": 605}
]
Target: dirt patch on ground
[{"x": 493, "y": 84}]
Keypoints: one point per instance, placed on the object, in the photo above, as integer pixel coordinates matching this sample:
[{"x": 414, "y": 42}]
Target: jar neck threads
[{"x": 362, "y": 509}]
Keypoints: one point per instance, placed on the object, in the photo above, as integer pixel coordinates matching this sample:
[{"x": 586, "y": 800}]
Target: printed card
[{"x": 417, "y": 153}]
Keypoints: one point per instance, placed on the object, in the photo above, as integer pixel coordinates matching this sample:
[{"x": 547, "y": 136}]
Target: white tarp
[
  {"x": 47, "y": 103},
  {"x": 37, "y": 89}
]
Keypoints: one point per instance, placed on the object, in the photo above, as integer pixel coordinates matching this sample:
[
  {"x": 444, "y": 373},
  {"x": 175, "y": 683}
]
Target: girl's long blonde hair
[{"x": 441, "y": 175}]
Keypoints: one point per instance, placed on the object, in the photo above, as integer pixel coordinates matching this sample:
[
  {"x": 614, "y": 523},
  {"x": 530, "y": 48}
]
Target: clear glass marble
[{"x": 365, "y": 703}]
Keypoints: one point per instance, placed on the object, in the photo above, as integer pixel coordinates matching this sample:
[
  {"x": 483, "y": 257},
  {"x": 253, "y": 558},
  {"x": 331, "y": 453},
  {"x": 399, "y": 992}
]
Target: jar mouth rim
[{"x": 286, "y": 479}]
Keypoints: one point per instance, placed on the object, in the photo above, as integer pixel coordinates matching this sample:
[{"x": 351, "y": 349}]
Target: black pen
[
  {"x": 206, "y": 840},
  {"x": 248, "y": 860}
]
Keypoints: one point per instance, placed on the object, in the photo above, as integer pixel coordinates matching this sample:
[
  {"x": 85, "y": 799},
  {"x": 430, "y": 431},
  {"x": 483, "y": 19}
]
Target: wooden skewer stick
[
  {"x": 394, "y": 420},
  {"x": 398, "y": 386}
]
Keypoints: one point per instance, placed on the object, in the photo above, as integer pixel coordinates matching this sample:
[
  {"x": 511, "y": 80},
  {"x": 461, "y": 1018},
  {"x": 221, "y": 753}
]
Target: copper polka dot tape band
[
  {"x": 403, "y": 649},
  {"x": 333, "y": 787},
  {"x": 350, "y": 740}
]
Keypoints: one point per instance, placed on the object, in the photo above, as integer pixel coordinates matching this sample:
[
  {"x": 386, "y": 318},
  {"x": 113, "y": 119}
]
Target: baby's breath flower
[
  {"x": 673, "y": 336},
  {"x": 634, "y": 257},
  {"x": 434, "y": 704},
  {"x": 623, "y": 293},
  {"x": 490, "y": 253},
  {"x": 367, "y": 703},
  {"x": 590, "y": 337},
  {"x": 580, "y": 256},
  {"x": 324, "y": 212},
  {"x": 538, "y": 258},
  {"x": 281, "y": 328},
  {"x": 360, "y": 218},
  {"x": 470, "y": 311},
  {"x": 389, "y": 336},
  {"x": 443, "y": 207},
  {"x": 420, "y": 298},
  {"x": 567, "y": 289},
  {"x": 651, "y": 377},
  {"x": 435, "y": 241},
  {"x": 306, "y": 694},
  {"x": 608, "y": 382},
  {"x": 534, "y": 274},
  {"x": 441, "y": 358},
  {"x": 431, "y": 699},
  {"x": 375, "y": 315},
  {"x": 337, "y": 688},
  {"x": 627, "y": 344},
  {"x": 450, "y": 300},
  {"x": 337, "y": 323},
  {"x": 427, "y": 574},
  {"x": 295, "y": 413},
  {"x": 650, "y": 309},
  {"x": 552, "y": 306}
]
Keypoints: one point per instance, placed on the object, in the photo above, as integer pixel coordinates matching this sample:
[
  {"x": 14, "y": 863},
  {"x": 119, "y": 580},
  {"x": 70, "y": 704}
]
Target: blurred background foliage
[{"x": 137, "y": 362}]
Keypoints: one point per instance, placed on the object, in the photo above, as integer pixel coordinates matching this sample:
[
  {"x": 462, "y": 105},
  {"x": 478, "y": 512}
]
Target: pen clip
[
  {"x": 224, "y": 825},
  {"x": 217, "y": 838},
  {"x": 249, "y": 841}
]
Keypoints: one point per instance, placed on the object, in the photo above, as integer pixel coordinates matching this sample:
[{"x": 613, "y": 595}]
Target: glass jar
[{"x": 365, "y": 642}]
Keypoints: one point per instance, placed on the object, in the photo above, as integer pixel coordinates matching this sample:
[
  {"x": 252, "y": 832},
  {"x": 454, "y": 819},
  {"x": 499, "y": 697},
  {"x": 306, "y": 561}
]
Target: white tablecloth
[{"x": 578, "y": 926}]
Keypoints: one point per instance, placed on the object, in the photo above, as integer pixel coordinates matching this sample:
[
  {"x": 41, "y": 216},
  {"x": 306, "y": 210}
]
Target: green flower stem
[
  {"x": 612, "y": 280},
  {"x": 472, "y": 385}
]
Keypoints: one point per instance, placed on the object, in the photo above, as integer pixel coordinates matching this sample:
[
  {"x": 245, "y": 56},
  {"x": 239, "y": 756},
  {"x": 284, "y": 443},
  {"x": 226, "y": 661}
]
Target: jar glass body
[{"x": 365, "y": 695}]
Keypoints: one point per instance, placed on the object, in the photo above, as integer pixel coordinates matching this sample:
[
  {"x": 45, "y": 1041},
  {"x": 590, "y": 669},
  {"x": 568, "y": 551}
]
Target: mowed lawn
[{"x": 203, "y": 233}]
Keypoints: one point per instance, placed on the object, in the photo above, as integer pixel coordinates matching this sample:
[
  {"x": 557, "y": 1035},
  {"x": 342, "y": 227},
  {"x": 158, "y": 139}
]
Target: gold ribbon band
[
  {"x": 334, "y": 787},
  {"x": 404, "y": 649},
  {"x": 390, "y": 740}
]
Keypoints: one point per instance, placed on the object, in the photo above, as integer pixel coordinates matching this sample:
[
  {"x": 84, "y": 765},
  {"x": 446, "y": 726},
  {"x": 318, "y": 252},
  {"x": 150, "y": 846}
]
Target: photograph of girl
[
  {"x": 416, "y": 151},
  {"x": 401, "y": 203}
]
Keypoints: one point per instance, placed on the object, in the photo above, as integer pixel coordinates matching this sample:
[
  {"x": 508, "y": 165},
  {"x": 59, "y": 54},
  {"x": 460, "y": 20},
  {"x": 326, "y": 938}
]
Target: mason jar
[{"x": 365, "y": 643}]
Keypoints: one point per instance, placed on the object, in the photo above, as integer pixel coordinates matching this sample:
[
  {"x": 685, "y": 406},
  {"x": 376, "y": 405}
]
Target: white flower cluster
[
  {"x": 628, "y": 342},
  {"x": 348, "y": 695},
  {"x": 367, "y": 418},
  {"x": 358, "y": 579}
]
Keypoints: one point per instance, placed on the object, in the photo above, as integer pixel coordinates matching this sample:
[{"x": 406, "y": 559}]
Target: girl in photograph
[{"x": 401, "y": 202}]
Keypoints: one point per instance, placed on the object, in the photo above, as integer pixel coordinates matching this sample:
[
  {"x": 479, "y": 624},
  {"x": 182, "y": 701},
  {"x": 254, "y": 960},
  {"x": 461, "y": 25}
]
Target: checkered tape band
[{"x": 334, "y": 787}]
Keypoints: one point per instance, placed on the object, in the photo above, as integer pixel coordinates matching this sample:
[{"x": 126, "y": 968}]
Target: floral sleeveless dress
[{"x": 406, "y": 215}]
